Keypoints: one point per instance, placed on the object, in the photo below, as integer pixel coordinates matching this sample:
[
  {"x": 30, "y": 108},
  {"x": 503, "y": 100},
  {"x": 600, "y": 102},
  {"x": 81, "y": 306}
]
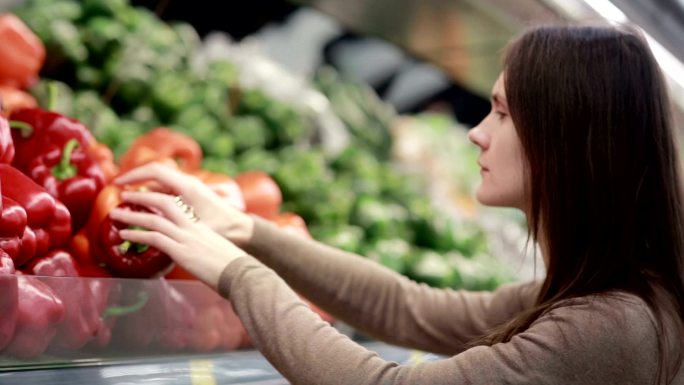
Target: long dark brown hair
[{"x": 591, "y": 109}]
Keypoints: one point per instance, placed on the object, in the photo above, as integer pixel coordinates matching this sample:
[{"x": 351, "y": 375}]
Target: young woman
[{"x": 580, "y": 139}]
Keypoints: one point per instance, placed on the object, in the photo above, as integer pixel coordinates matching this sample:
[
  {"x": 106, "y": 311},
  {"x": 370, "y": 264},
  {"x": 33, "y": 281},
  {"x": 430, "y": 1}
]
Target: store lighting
[
  {"x": 672, "y": 67},
  {"x": 609, "y": 11}
]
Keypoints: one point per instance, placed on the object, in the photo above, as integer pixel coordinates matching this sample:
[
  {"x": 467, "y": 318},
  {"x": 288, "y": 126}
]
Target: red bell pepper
[
  {"x": 22, "y": 52},
  {"x": 105, "y": 158},
  {"x": 9, "y": 299},
  {"x": 131, "y": 330},
  {"x": 79, "y": 246},
  {"x": 39, "y": 205},
  {"x": 40, "y": 311},
  {"x": 163, "y": 144},
  {"x": 29, "y": 246},
  {"x": 205, "y": 336},
  {"x": 108, "y": 198},
  {"x": 88, "y": 250},
  {"x": 70, "y": 175},
  {"x": 166, "y": 308},
  {"x": 215, "y": 327},
  {"x": 126, "y": 259},
  {"x": 59, "y": 229},
  {"x": 12, "y": 228},
  {"x": 48, "y": 218},
  {"x": 232, "y": 328},
  {"x": 177, "y": 319},
  {"x": 109, "y": 251},
  {"x": 6, "y": 142},
  {"x": 35, "y": 130},
  {"x": 106, "y": 293},
  {"x": 16, "y": 238},
  {"x": 82, "y": 320},
  {"x": 55, "y": 151}
]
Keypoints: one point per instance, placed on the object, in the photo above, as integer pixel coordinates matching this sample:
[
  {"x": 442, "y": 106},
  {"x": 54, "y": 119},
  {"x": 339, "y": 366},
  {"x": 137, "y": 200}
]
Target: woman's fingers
[
  {"x": 153, "y": 238},
  {"x": 196, "y": 248},
  {"x": 167, "y": 176},
  {"x": 148, "y": 221},
  {"x": 168, "y": 205}
]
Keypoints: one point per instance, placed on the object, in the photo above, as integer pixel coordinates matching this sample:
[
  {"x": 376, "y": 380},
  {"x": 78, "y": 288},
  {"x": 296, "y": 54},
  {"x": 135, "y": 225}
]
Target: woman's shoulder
[
  {"x": 612, "y": 299},
  {"x": 614, "y": 330},
  {"x": 614, "y": 321},
  {"x": 609, "y": 309},
  {"x": 607, "y": 339}
]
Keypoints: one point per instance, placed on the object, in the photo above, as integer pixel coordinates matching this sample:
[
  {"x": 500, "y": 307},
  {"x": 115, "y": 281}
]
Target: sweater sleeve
[
  {"x": 380, "y": 302},
  {"x": 609, "y": 341}
]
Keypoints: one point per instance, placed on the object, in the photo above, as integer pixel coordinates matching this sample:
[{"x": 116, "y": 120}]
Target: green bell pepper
[
  {"x": 431, "y": 268},
  {"x": 344, "y": 237},
  {"x": 391, "y": 253}
]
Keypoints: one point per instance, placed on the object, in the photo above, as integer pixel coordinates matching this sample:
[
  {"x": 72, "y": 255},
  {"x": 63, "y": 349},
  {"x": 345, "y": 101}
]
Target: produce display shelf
[{"x": 237, "y": 367}]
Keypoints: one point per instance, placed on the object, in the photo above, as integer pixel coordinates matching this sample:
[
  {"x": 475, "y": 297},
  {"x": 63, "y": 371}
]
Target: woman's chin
[
  {"x": 482, "y": 197},
  {"x": 486, "y": 198}
]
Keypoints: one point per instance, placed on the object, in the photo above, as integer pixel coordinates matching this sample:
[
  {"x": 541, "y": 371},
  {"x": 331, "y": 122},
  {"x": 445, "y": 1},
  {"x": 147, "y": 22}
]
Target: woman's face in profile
[{"x": 501, "y": 158}]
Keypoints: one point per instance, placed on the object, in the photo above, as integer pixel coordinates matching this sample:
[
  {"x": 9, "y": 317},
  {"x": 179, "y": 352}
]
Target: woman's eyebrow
[{"x": 499, "y": 100}]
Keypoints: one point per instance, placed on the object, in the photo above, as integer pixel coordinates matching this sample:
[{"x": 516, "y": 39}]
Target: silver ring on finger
[
  {"x": 188, "y": 210},
  {"x": 178, "y": 200},
  {"x": 192, "y": 216}
]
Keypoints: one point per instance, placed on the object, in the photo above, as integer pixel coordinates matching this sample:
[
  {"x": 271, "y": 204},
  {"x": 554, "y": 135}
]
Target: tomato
[
  {"x": 12, "y": 99},
  {"x": 105, "y": 158},
  {"x": 261, "y": 193},
  {"x": 163, "y": 145},
  {"x": 223, "y": 185},
  {"x": 291, "y": 222},
  {"x": 22, "y": 52},
  {"x": 180, "y": 273},
  {"x": 325, "y": 316}
]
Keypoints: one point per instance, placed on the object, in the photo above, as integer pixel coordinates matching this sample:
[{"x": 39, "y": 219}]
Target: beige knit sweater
[{"x": 590, "y": 340}]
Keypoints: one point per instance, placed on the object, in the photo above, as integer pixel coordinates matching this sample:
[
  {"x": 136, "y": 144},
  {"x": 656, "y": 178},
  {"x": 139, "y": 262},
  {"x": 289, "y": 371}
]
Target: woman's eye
[{"x": 500, "y": 114}]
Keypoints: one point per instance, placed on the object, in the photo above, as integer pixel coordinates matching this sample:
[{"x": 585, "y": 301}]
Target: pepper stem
[
  {"x": 25, "y": 128},
  {"x": 115, "y": 311},
  {"x": 65, "y": 170},
  {"x": 123, "y": 248},
  {"x": 53, "y": 93},
  {"x": 140, "y": 248}
]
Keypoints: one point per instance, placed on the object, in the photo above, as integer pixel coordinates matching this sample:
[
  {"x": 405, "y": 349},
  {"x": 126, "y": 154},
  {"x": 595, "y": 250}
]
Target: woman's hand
[
  {"x": 218, "y": 215},
  {"x": 177, "y": 232}
]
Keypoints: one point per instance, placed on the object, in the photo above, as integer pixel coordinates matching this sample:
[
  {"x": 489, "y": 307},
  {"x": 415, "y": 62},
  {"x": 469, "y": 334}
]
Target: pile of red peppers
[
  {"x": 54, "y": 222},
  {"x": 54, "y": 205}
]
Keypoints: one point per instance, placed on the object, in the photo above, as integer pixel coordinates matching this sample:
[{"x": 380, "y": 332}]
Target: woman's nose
[{"x": 478, "y": 137}]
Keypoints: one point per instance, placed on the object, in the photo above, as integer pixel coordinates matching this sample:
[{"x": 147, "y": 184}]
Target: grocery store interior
[{"x": 355, "y": 111}]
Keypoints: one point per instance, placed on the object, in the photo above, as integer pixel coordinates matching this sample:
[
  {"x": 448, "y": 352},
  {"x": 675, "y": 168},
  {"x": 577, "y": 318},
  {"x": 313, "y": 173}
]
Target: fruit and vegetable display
[{"x": 94, "y": 88}]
